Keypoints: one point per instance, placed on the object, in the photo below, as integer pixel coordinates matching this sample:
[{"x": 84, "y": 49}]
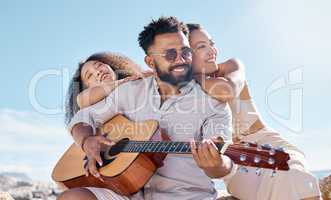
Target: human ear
[{"x": 150, "y": 62}]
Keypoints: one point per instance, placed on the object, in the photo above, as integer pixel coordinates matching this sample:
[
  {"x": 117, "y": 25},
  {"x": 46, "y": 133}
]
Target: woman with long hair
[{"x": 218, "y": 80}]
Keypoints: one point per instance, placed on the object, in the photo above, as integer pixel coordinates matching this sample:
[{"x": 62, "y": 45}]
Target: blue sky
[{"x": 285, "y": 46}]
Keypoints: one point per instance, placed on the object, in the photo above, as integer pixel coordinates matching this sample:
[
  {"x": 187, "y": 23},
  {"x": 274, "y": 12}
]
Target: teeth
[{"x": 179, "y": 69}]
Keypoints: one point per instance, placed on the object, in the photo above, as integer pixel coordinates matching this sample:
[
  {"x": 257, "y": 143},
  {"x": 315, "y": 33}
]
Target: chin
[{"x": 208, "y": 69}]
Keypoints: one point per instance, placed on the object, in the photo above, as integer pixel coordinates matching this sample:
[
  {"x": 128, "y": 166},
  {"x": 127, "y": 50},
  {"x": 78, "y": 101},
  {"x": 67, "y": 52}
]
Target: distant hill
[
  {"x": 17, "y": 175},
  {"x": 9, "y": 182},
  {"x": 20, "y": 186}
]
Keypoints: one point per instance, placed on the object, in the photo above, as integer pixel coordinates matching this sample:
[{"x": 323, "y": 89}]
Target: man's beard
[{"x": 170, "y": 78}]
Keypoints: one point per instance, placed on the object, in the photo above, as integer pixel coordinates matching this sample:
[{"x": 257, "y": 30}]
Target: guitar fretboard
[{"x": 160, "y": 146}]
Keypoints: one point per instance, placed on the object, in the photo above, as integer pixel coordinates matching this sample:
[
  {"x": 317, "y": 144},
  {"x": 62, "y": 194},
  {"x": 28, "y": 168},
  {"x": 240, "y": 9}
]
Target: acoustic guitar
[{"x": 135, "y": 157}]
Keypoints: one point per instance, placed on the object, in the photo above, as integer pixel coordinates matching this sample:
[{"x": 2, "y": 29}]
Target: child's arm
[
  {"x": 218, "y": 88},
  {"x": 95, "y": 94},
  {"x": 228, "y": 83},
  {"x": 234, "y": 71}
]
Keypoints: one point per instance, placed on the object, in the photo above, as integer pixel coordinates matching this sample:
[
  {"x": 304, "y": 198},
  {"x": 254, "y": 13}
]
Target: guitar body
[
  {"x": 124, "y": 173},
  {"x": 138, "y": 152}
]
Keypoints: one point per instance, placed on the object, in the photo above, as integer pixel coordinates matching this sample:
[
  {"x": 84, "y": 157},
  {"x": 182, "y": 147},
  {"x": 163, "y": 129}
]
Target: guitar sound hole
[
  {"x": 118, "y": 147},
  {"x": 109, "y": 155}
]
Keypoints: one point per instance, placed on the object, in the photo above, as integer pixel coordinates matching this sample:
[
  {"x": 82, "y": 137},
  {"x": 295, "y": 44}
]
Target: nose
[
  {"x": 180, "y": 59},
  {"x": 102, "y": 69},
  {"x": 96, "y": 73},
  {"x": 212, "y": 50}
]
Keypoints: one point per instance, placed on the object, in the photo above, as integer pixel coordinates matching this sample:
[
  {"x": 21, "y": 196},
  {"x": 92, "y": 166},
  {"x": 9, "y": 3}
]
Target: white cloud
[
  {"x": 22, "y": 122},
  {"x": 31, "y": 143}
]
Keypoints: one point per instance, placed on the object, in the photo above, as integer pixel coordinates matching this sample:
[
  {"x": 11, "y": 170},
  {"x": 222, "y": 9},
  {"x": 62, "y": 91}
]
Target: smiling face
[
  {"x": 171, "y": 69},
  {"x": 95, "y": 72},
  {"x": 204, "y": 52}
]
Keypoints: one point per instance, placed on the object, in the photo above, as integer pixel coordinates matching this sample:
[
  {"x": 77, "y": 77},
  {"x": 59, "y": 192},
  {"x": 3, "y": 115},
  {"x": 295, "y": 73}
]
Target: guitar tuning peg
[
  {"x": 245, "y": 144},
  {"x": 257, "y": 159},
  {"x": 280, "y": 148},
  {"x": 258, "y": 171},
  {"x": 242, "y": 157},
  {"x": 271, "y": 161},
  {"x": 269, "y": 146},
  {"x": 274, "y": 173},
  {"x": 243, "y": 169},
  {"x": 272, "y": 152},
  {"x": 259, "y": 147}
]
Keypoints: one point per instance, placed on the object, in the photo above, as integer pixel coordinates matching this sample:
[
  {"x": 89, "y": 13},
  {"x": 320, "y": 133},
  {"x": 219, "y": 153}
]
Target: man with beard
[{"x": 183, "y": 110}]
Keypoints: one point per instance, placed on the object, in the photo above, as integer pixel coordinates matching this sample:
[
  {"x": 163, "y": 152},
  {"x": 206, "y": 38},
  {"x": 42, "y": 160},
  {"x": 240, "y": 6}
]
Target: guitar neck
[
  {"x": 250, "y": 155},
  {"x": 160, "y": 147}
]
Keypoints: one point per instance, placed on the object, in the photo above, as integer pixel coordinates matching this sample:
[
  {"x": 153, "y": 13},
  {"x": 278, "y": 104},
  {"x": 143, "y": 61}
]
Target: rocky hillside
[{"x": 21, "y": 187}]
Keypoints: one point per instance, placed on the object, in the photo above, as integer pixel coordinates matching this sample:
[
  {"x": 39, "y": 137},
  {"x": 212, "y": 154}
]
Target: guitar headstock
[{"x": 260, "y": 156}]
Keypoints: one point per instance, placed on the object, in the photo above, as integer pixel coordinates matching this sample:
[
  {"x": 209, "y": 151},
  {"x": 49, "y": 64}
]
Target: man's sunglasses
[{"x": 171, "y": 54}]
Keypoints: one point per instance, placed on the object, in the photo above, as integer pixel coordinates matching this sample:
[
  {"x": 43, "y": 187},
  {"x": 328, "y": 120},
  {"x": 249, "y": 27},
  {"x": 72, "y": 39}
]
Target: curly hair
[
  {"x": 122, "y": 66},
  {"x": 160, "y": 26}
]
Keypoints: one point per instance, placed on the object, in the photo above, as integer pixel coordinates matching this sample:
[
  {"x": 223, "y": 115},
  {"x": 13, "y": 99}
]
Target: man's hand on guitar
[
  {"x": 91, "y": 168},
  {"x": 92, "y": 146},
  {"x": 209, "y": 160}
]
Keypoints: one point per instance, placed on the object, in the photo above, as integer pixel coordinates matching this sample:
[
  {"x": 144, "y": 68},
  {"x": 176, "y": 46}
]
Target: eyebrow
[
  {"x": 95, "y": 62},
  {"x": 209, "y": 40},
  {"x": 200, "y": 42},
  {"x": 85, "y": 74}
]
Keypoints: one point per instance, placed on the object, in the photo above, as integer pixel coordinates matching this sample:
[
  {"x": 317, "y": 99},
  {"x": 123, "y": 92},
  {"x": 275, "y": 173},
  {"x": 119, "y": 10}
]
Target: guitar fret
[
  {"x": 167, "y": 148},
  {"x": 157, "y": 146},
  {"x": 182, "y": 146},
  {"x": 150, "y": 146},
  {"x": 188, "y": 148},
  {"x": 144, "y": 146},
  {"x": 177, "y": 144},
  {"x": 132, "y": 147},
  {"x": 137, "y": 147},
  {"x": 163, "y": 146},
  {"x": 126, "y": 148},
  {"x": 129, "y": 147},
  {"x": 172, "y": 146},
  {"x": 146, "y": 149},
  {"x": 147, "y": 146}
]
